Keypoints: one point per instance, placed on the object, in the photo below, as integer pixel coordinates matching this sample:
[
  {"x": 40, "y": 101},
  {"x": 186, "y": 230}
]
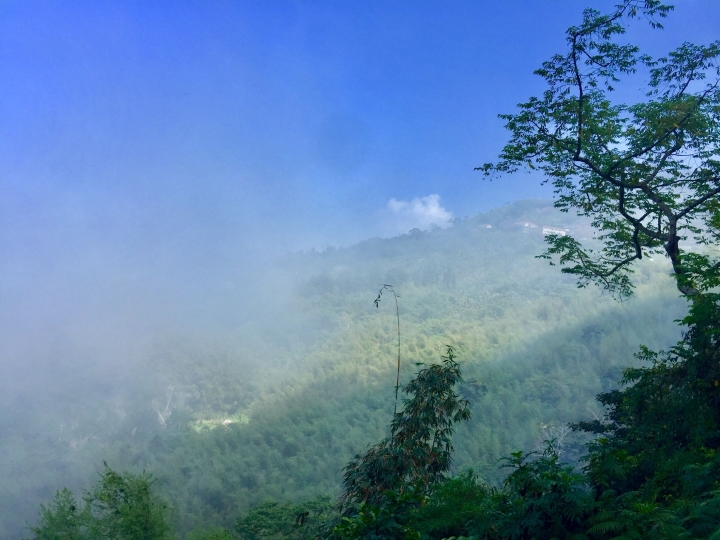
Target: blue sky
[
  {"x": 300, "y": 120},
  {"x": 162, "y": 141}
]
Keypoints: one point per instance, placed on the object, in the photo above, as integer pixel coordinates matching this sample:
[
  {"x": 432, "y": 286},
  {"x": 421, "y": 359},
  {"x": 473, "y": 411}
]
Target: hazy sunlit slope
[{"x": 281, "y": 411}]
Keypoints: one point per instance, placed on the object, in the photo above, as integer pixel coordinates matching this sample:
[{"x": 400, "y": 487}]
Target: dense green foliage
[
  {"x": 534, "y": 350},
  {"x": 120, "y": 506},
  {"x": 652, "y": 473},
  {"x": 273, "y": 520},
  {"x": 418, "y": 452}
]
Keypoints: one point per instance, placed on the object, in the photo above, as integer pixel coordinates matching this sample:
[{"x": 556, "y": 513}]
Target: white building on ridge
[{"x": 554, "y": 230}]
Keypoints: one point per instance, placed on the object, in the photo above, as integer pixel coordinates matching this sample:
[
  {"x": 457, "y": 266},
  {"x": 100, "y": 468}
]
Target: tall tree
[
  {"x": 120, "y": 506},
  {"x": 61, "y": 519},
  {"x": 647, "y": 174},
  {"x": 418, "y": 454}
]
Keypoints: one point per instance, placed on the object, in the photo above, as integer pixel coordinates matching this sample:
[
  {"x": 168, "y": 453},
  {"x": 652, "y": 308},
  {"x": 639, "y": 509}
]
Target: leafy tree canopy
[
  {"x": 647, "y": 174},
  {"x": 120, "y": 506}
]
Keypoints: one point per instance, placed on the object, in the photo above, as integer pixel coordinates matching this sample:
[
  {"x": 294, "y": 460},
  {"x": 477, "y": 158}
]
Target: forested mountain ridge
[{"x": 534, "y": 351}]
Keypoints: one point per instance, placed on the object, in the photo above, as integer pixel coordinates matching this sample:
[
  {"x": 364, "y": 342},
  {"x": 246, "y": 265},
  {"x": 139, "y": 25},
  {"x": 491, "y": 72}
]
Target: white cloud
[{"x": 418, "y": 213}]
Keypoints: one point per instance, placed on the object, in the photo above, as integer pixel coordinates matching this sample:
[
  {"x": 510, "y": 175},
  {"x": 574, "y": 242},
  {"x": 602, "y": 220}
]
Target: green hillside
[{"x": 281, "y": 411}]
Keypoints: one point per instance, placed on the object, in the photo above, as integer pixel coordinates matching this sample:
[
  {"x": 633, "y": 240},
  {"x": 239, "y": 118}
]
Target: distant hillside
[{"x": 282, "y": 411}]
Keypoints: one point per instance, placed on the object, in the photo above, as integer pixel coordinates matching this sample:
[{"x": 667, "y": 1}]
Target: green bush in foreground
[{"x": 121, "y": 506}]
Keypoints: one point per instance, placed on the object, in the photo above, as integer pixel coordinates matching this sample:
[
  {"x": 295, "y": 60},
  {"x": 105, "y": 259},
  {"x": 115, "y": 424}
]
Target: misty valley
[{"x": 277, "y": 416}]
